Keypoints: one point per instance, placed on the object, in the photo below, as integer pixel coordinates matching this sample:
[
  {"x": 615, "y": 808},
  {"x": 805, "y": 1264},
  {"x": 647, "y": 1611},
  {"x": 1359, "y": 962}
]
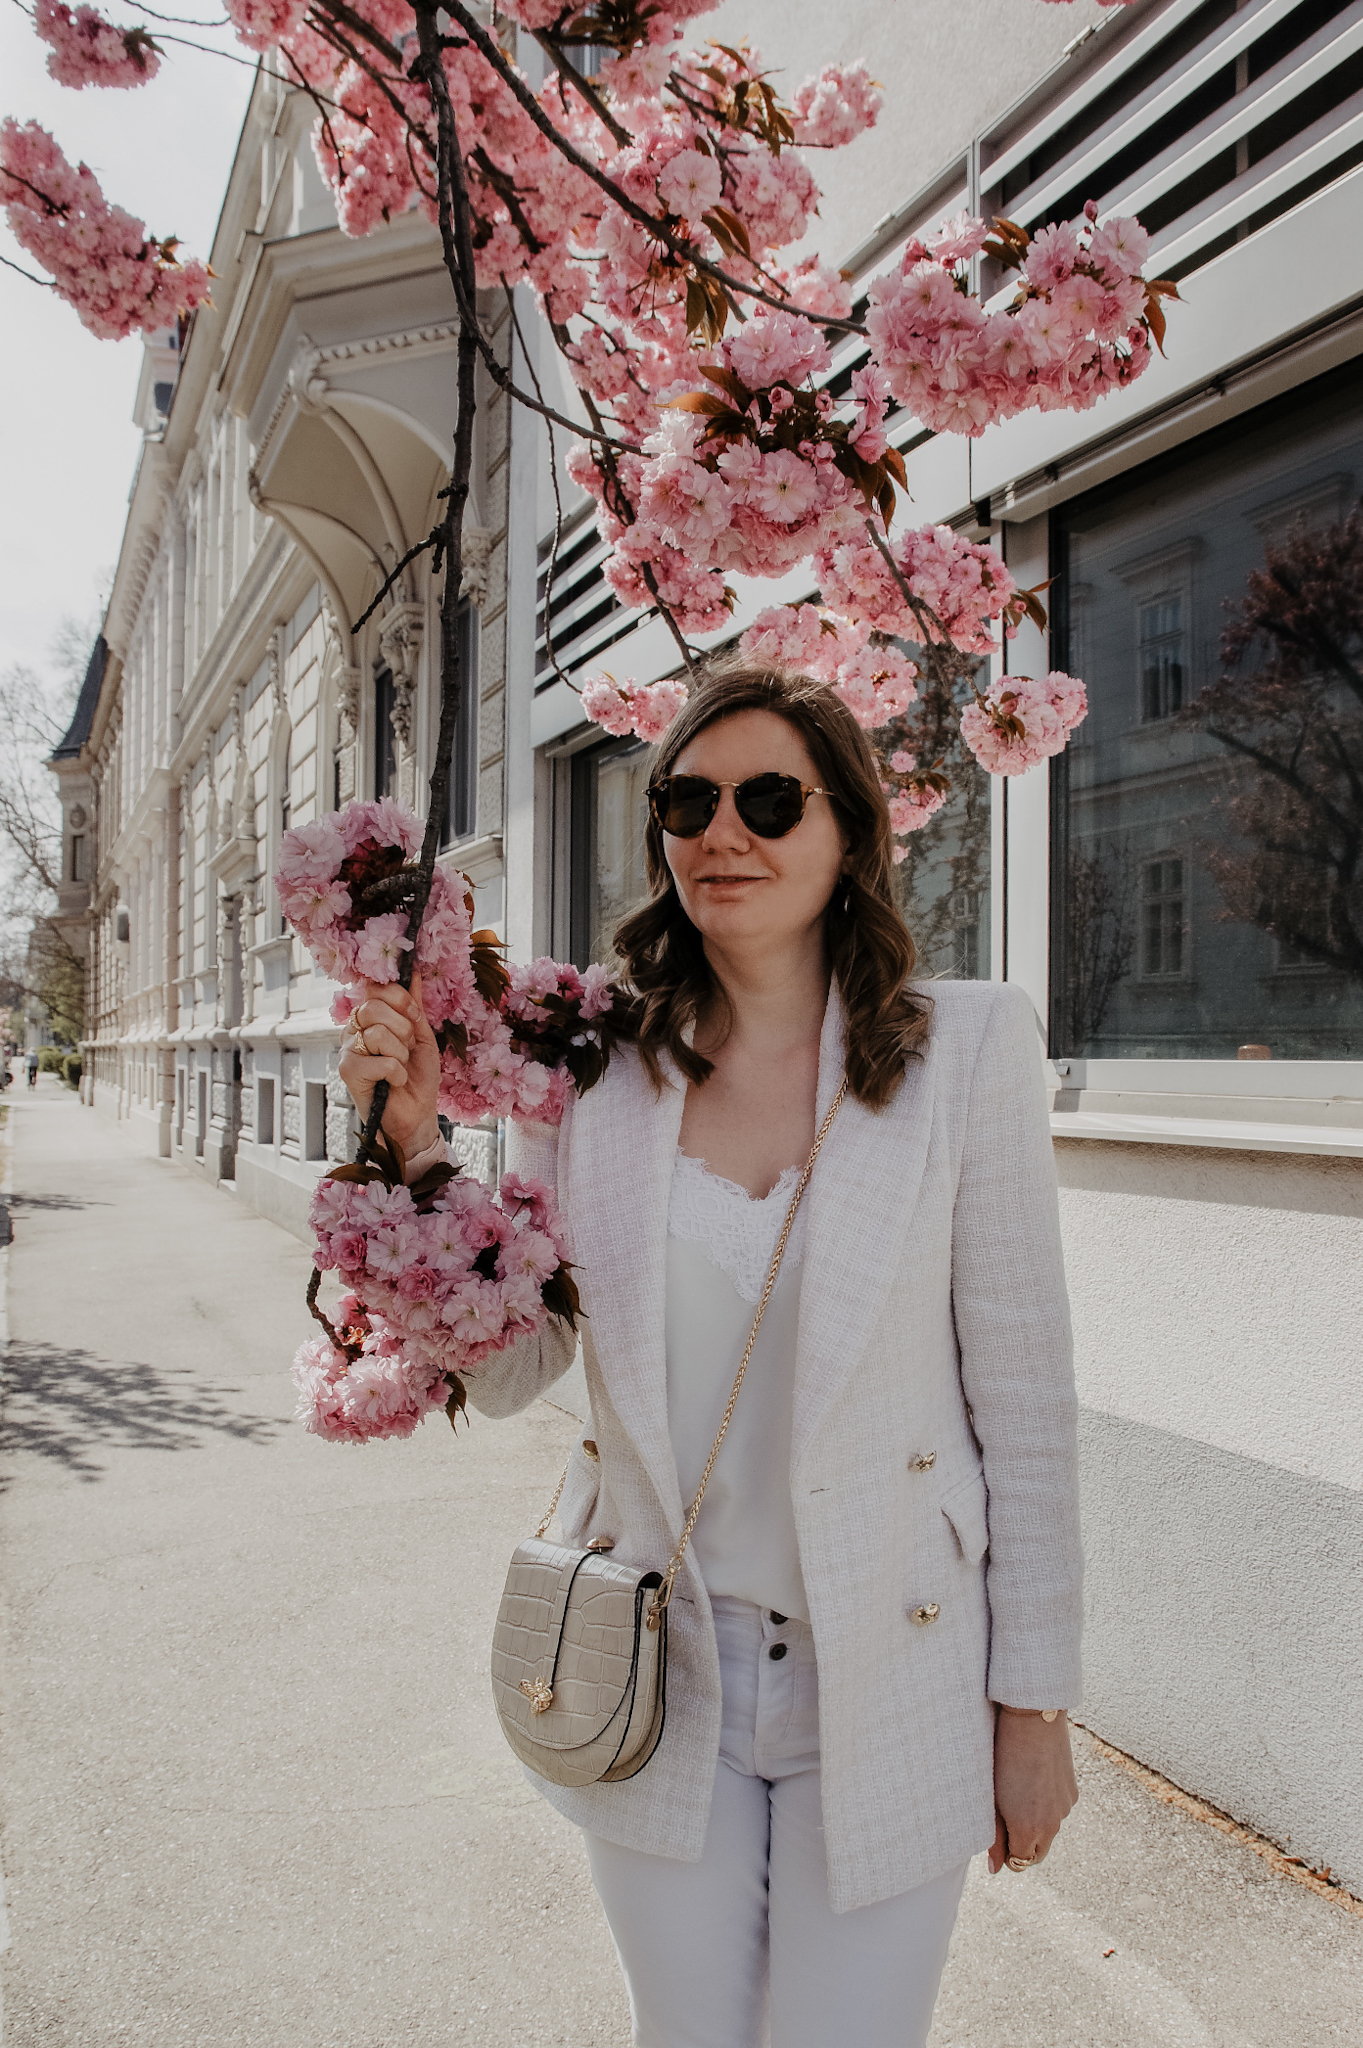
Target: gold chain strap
[
  {"x": 552, "y": 1508},
  {"x": 664, "y": 1593}
]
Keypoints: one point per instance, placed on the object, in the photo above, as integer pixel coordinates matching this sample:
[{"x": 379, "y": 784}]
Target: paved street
[{"x": 253, "y": 1790}]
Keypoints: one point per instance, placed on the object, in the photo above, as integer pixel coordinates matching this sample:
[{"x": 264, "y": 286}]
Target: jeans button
[{"x": 777, "y": 1652}]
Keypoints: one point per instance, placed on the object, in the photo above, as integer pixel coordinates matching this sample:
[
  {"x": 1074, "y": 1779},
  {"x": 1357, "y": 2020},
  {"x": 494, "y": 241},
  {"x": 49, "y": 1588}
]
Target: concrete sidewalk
[{"x": 253, "y": 1790}]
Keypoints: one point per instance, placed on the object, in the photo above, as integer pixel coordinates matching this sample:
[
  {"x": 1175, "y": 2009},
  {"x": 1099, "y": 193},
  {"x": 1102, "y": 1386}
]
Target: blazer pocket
[{"x": 966, "y": 1507}]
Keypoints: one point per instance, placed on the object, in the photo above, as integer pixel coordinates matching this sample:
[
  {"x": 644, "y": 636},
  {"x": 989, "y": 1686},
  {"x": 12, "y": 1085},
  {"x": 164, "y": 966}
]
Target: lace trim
[{"x": 736, "y": 1230}]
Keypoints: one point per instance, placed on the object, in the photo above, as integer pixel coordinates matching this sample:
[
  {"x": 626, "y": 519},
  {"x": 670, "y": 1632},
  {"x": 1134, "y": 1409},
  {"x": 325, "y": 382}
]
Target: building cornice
[{"x": 288, "y": 269}]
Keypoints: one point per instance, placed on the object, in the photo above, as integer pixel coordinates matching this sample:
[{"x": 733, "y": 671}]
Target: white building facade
[{"x": 1138, "y": 889}]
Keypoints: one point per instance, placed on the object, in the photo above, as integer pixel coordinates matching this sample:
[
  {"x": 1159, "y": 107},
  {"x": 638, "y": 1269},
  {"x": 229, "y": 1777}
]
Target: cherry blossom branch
[
  {"x": 46, "y": 282},
  {"x": 457, "y": 245},
  {"x": 432, "y": 540},
  {"x": 684, "y": 251},
  {"x": 570, "y": 75},
  {"x": 925, "y": 615},
  {"x": 552, "y": 567}
]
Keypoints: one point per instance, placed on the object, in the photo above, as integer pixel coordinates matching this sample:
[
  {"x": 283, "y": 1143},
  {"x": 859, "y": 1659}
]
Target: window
[
  {"x": 201, "y": 1122},
  {"x": 600, "y": 801},
  {"x": 462, "y": 810},
  {"x": 78, "y": 873},
  {"x": 1159, "y": 637},
  {"x": 265, "y": 1111},
  {"x": 315, "y": 1119},
  {"x": 943, "y": 880},
  {"x": 1203, "y": 837},
  {"x": 285, "y": 809},
  {"x": 385, "y": 738},
  {"x": 1163, "y": 924}
]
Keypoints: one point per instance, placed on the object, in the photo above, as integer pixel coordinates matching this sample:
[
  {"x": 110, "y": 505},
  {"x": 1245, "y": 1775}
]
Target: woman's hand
[
  {"x": 396, "y": 1045},
  {"x": 1034, "y": 1785}
]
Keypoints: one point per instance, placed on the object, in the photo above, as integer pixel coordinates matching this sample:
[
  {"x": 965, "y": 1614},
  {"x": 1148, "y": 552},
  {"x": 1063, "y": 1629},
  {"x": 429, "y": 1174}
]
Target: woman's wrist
[{"x": 1032, "y": 1713}]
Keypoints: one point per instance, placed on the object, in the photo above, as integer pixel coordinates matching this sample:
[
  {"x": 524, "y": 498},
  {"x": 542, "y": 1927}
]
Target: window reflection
[
  {"x": 943, "y": 881},
  {"x": 608, "y": 877},
  {"x": 1208, "y": 819}
]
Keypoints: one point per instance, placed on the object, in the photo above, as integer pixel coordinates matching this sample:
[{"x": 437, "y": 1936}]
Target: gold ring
[
  {"x": 360, "y": 1044},
  {"x": 1021, "y": 1862}
]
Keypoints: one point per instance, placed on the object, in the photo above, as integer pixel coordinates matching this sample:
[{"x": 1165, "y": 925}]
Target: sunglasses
[{"x": 769, "y": 805}]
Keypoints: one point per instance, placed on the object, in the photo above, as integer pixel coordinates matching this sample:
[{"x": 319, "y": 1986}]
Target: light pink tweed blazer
[{"x": 933, "y": 1459}]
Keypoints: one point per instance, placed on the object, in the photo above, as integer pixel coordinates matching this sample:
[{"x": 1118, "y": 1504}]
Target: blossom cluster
[
  {"x": 1022, "y": 720},
  {"x": 874, "y": 679},
  {"x": 623, "y": 709},
  {"x": 88, "y": 50},
  {"x": 1078, "y": 326},
  {"x": 337, "y": 879},
  {"x": 99, "y": 258},
  {"x": 435, "y": 1287}
]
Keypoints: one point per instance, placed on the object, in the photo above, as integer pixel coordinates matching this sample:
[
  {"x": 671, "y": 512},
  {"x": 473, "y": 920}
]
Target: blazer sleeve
[
  {"x": 1013, "y": 1328},
  {"x": 511, "y": 1379}
]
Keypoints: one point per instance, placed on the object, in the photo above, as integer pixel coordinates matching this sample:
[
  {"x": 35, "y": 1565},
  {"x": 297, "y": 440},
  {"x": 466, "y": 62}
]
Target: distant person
[
  {"x": 867, "y": 1679},
  {"x": 33, "y": 1070}
]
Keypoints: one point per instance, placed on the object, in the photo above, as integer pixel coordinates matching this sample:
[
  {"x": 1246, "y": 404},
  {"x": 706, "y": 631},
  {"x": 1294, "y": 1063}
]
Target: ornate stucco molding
[
  {"x": 400, "y": 636},
  {"x": 477, "y": 559}
]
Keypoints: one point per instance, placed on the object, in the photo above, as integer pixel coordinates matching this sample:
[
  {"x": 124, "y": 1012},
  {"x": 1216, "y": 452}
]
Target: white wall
[{"x": 1220, "y": 1369}]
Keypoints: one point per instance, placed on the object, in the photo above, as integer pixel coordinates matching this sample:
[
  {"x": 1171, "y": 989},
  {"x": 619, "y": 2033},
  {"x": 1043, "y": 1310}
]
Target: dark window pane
[
  {"x": 1208, "y": 888},
  {"x": 461, "y": 811},
  {"x": 943, "y": 881},
  {"x": 606, "y": 855},
  {"x": 385, "y": 740}
]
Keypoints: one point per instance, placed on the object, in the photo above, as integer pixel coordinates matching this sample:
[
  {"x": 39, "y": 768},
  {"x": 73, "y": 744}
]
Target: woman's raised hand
[
  {"x": 1034, "y": 1787},
  {"x": 388, "y": 1039}
]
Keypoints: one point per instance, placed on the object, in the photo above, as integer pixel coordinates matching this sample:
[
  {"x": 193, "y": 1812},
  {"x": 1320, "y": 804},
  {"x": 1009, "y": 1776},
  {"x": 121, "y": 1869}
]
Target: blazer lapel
[
  {"x": 623, "y": 1143},
  {"x": 861, "y": 1198}
]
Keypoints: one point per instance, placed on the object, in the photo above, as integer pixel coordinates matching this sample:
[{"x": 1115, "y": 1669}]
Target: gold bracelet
[{"x": 1045, "y": 1713}]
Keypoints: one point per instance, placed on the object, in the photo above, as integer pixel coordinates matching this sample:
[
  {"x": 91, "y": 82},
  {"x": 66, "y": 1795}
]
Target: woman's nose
[{"x": 726, "y": 828}]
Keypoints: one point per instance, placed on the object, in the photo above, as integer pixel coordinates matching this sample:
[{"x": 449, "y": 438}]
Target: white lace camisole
[{"x": 719, "y": 1246}]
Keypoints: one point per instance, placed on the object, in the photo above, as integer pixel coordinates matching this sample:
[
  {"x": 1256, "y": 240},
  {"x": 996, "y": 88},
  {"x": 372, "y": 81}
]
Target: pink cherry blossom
[
  {"x": 88, "y": 50},
  {"x": 99, "y": 258},
  {"x": 690, "y": 184},
  {"x": 838, "y": 105}
]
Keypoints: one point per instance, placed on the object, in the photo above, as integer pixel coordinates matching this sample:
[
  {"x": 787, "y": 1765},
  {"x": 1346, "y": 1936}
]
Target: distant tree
[
  {"x": 1289, "y": 707},
  {"x": 1100, "y": 940},
  {"x": 37, "y": 958}
]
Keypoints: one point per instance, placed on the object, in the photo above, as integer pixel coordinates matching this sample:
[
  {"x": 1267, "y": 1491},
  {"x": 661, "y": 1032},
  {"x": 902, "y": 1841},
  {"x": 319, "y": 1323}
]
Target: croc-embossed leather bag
[{"x": 579, "y": 1652}]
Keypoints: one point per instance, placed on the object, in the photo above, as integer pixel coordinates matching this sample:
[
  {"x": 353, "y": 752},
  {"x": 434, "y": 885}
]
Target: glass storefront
[
  {"x": 606, "y": 856},
  {"x": 943, "y": 882},
  {"x": 1207, "y": 843}
]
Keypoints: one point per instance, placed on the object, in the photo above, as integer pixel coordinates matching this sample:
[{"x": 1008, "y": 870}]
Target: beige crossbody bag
[{"x": 579, "y": 1653}]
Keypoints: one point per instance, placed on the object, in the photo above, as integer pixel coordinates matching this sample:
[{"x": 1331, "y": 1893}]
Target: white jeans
[{"x": 714, "y": 1951}]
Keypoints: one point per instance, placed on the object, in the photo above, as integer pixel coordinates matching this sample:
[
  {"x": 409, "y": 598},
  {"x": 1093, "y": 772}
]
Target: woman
[{"x": 879, "y": 1614}]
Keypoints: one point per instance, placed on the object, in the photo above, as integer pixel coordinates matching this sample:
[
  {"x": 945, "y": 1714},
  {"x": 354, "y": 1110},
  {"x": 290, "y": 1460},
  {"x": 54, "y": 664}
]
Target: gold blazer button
[
  {"x": 590, "y": 1448},
  {"x": 923, "y": 1462},
  {"x": 601, "y": 1543},
  {"x": 924, "y": 1615}
]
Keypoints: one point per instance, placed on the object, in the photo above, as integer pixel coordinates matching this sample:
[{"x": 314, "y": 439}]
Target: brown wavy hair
[{"x": 869, "y": 945}]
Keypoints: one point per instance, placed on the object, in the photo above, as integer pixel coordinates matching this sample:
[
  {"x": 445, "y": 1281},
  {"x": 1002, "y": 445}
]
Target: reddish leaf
[{"x": 727, "y": 380}]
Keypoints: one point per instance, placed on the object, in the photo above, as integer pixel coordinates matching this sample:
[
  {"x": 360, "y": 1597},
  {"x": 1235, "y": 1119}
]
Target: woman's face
[{"x": 741, "y": 891}]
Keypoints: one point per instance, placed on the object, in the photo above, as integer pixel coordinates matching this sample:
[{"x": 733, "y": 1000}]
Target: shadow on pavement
[
  {"x": 68, "y": 1405},
  {"x": 43, "y": 1202}
]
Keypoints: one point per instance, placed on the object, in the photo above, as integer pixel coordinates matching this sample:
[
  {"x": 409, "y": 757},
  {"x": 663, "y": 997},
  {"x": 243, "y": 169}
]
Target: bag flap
[{"x": 571, "y": 1618}]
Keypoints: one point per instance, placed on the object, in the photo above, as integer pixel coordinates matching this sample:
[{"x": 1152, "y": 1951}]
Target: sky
[{"x": 67, "y": 442}]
